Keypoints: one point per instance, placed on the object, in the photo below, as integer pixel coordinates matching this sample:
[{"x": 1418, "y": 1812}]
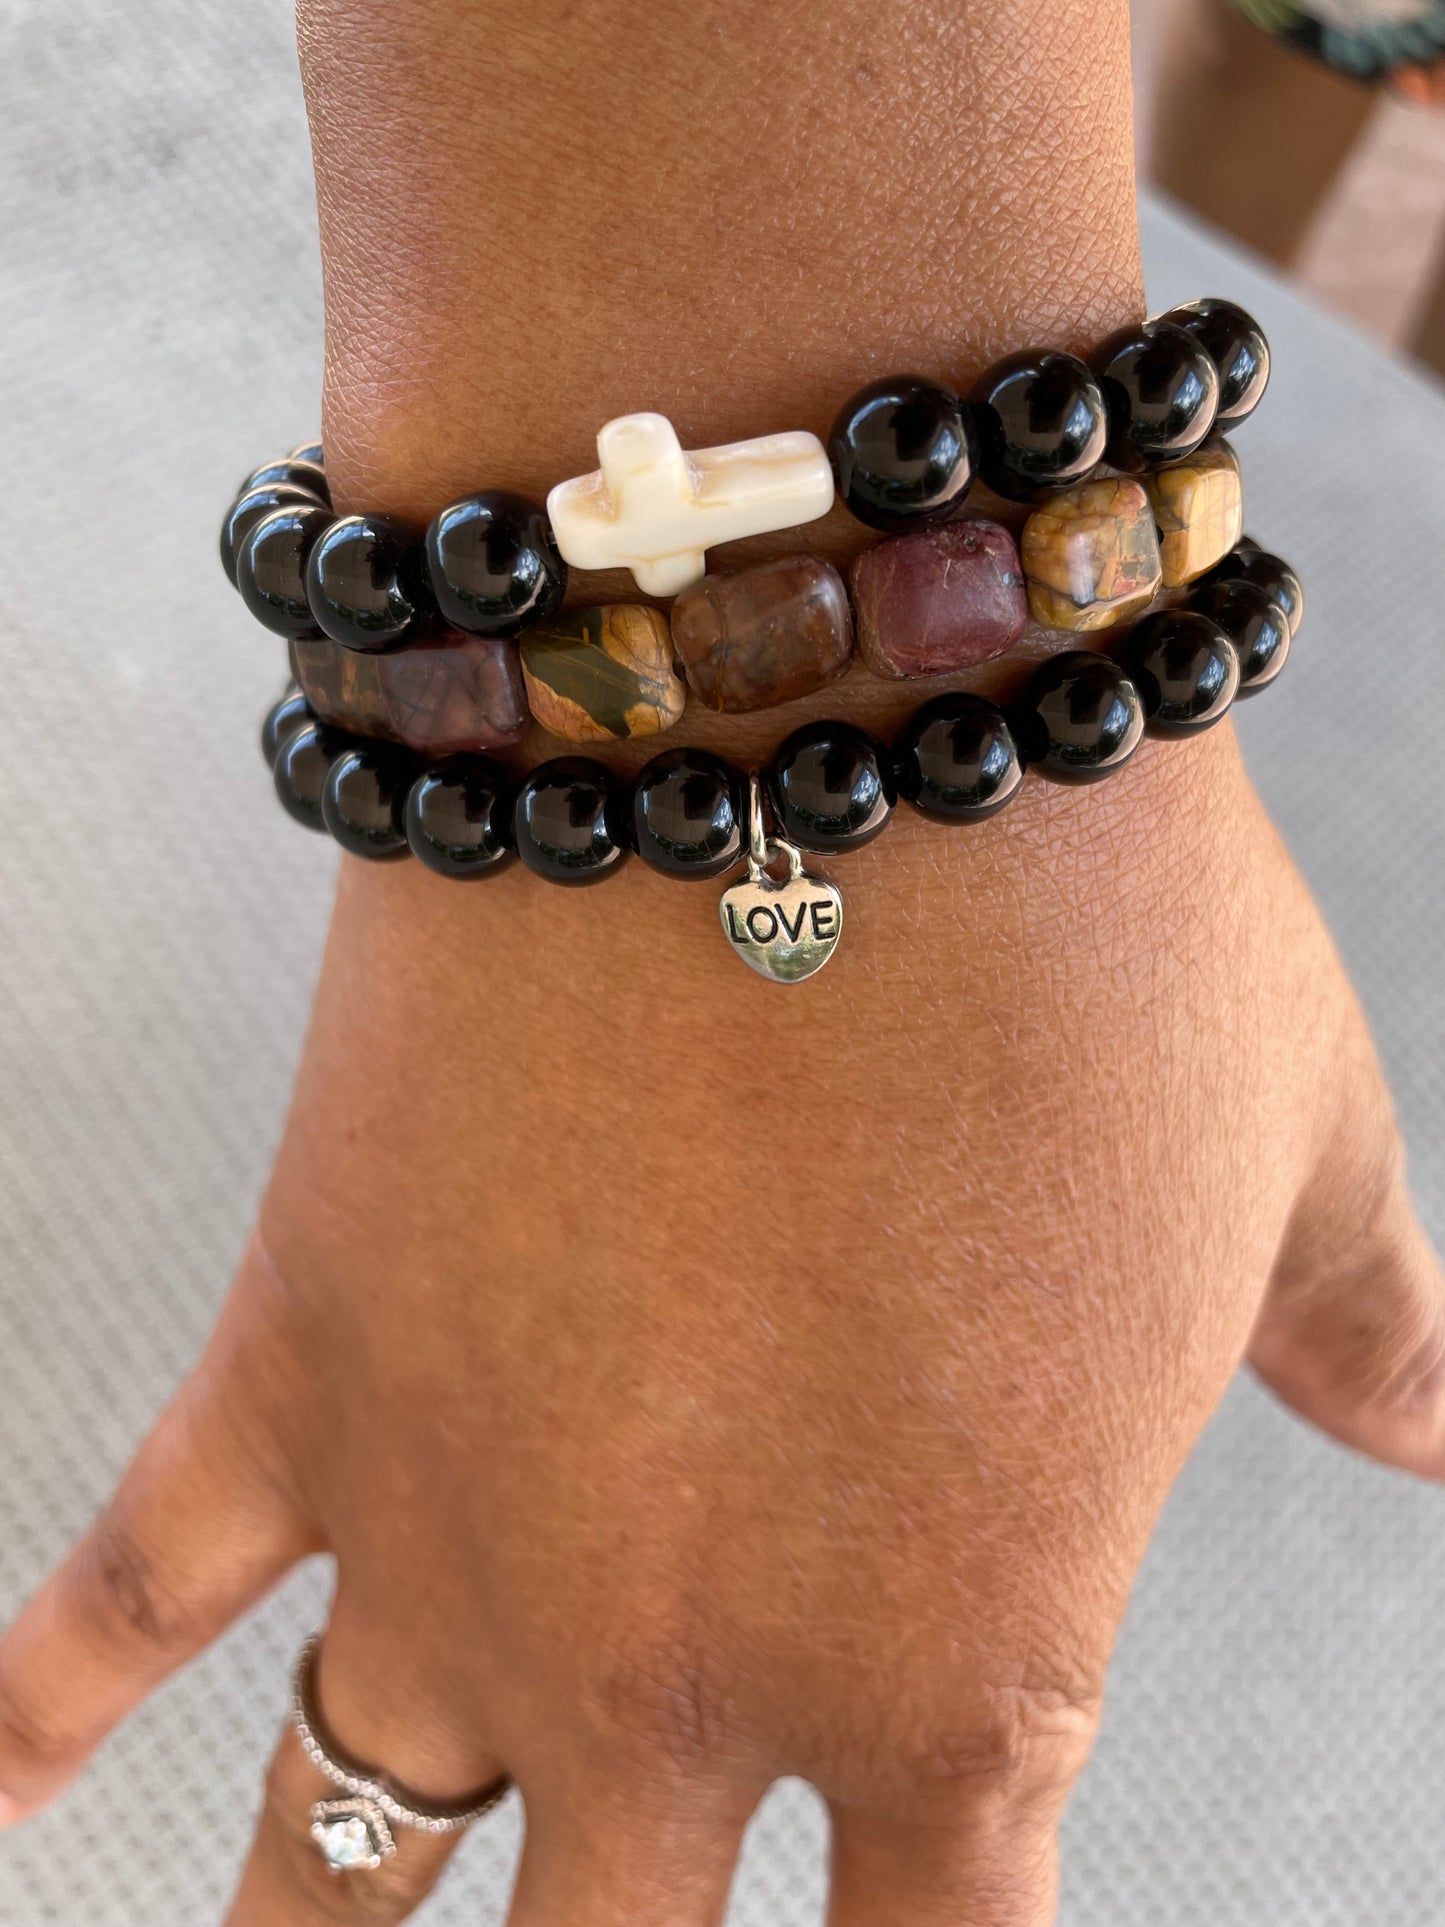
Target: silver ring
[{"x": 355, "y": 1834}]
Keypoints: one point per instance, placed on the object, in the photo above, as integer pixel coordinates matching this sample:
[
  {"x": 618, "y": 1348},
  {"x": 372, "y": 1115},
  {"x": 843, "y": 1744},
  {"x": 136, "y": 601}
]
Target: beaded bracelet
[
  {"x": 359, "y": 595},
  {"x": 831, "y": 786}
]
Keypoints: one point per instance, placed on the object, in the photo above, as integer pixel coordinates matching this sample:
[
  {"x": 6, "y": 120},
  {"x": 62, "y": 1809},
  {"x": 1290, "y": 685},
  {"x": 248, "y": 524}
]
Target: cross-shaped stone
[{"x": 655, "y": 508}]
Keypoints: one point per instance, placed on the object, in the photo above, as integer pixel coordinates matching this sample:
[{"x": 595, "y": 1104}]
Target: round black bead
[
  {"x": 248, "y": 509},
  {"x": 1041, "y": 424},
  {"x": 302, "y": 763},
  {"x": 366, "y": 580},
  {"x": 494, "y": 565},
  {"x": 1269, "y": 573},
  {"x": 307, "y": 452},
  {"x": 1162, "y": 391},
  {"x": 283, "y": 719},
  {"x": 689, "y": 812},
  {"x": 297, "y": 471},
  {"x": 271, "y": 568},
  {"x": 1256, "y": 624},
  {"x": 1080, "y": 718},
  {"x": 956, "y": 759},
  {"x": 1235, "y": 343},
  {"x": 569, "y": 822},
  {"x": 831, "y": 786},
  {"x": 459, "y": 817},
  {"x": 363, "y": 801},
  {"x": 903, "y": 453},
  {"x": 1185, "y": 669}
]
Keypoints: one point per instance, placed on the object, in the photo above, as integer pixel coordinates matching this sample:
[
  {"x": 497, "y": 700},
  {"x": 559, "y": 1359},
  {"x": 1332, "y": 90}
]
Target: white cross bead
[{"x": 654, "y": 508}]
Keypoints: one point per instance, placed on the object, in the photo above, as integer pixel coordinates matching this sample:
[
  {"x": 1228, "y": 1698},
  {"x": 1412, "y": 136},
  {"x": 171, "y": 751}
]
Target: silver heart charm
[{"x": 784, "y": 930}]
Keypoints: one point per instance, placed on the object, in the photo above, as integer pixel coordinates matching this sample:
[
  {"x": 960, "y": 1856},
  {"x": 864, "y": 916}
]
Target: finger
[
  {"x": 202, "y": 1525},
  {"x": 1352, "y": 1333},
  {"x": 989, "y": 1869},
  {"x": 388, "y": 1716},
  {"x": 623, "y": 1853}
]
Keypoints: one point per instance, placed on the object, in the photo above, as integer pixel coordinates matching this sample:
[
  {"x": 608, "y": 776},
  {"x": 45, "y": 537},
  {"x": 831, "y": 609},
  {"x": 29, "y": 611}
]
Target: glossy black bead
[
  {"x": 1255, "y": 623},
  {"x": 283, "y": 719},
  {"x": 307, "y": 452},
  {"x": 1185, "y": 669},
  {"x": 1041, "y": 423},
  {"x": 689, "y": 811},
  {"x": 248, "y": 509},
  {"x": 459, "y": 818},
  {"x": 1235, "y": 343},
  {"x": 569, "y": 822},
  {"x": 956, "y": 759},
  {"x": 296, "y": 471},
  {"x": 1162, "y": 392},
  {"x": 1080, "y": 718},
  {"x": 494, "y": 565},
  {"x": 363, "y": 801},
  {"x": 831, "y": 787},
  {"x": 903, "y": 453},
  {"x": 366, "y": 581},
  {"x": 1268, "y": 572},
  {"x": 302, "y": 763},
  {"x": 271, "y": 568}
]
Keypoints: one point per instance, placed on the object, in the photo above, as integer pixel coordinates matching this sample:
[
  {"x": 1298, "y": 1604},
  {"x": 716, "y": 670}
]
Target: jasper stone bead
[
  {"x": 1091, "y": 556},
  {"x": 366, "y": 584},
  {"x": 1080, "y": 718},
  {"x": 599, "y": 674},
  {"x": 447, "y": 694},
  {"x": 942, "y": 599},
  {"x": 569, "y": 822},
  {"x": 302, "y": 763},
  {"x": 1185, "y": 670},
  {"x": 1257, "y": 626},
  {"x": 1162, "y": 391},
  {"x": 252, "y": 507},
  {"x": 493, "y": 564},
  {"x": 1041, "y": 424},
  {"x": 1199, "y": 509},
  {"x": 363, "y": 801},
  {"x": 283, "y": 719},
  {"x": 903, "y": 452},
  {"x": 956, "y": 759},
  {"x": 764, "y": 636},
  {"x": 271, "y": 567},
  {"x": 296, "y": 470},
  {"x": 688, "y": 813},
  {"x": 831, "y": 787},
  {"x": 1235, "y": 343},
  {"x": 459, "y": 818}
]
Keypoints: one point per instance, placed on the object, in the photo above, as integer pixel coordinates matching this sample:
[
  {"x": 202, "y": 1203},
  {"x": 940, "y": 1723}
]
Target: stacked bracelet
[{"x": 1135, "y": 494}]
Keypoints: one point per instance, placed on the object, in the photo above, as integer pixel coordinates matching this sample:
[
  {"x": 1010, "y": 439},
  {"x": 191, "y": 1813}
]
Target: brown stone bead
[
  {"x": 594, "y": 675},
  {"x": 765, "y": 635},
  {"x": 1091, "y": 556},
  {"x": 451, "y": 693},
  {"x": 942, "y": 599},
  {"x": 1199, "y": 508}
]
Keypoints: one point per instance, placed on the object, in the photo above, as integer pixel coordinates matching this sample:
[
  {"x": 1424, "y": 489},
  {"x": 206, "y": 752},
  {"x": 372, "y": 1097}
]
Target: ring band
[{"x": 354, "y": 1834}]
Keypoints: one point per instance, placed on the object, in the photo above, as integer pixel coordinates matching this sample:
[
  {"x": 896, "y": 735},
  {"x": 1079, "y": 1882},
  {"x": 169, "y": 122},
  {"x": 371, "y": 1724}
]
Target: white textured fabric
[{"x": 1271, "y": 1752}]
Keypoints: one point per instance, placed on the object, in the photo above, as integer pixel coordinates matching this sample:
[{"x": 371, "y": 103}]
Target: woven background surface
[{"x": 1271, "y": 1751}]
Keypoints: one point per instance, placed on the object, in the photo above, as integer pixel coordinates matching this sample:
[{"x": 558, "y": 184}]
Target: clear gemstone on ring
[{"x": 352, "y": 1834}]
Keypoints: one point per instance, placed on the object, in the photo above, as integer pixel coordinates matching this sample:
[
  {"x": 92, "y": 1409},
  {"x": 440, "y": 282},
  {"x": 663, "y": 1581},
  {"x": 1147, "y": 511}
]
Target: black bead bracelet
[{"x": 830, "y": 787}]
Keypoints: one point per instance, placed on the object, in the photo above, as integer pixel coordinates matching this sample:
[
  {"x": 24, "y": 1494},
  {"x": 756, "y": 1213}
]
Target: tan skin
[{"x": 695, "y": 1381}]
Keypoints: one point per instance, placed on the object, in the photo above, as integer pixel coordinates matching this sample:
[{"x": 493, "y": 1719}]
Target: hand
[{"x": 698, "y": 1382}]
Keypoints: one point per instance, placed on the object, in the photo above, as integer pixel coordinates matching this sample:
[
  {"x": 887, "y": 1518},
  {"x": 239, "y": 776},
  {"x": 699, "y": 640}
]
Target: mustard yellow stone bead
[
  {"x": 1091, "y": 556},
  {"x": 594, "y": 675},
  {"x": 1199, "y": 507}
]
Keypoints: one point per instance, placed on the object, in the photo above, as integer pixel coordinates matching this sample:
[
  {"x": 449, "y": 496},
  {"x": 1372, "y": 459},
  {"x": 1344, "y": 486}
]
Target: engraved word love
[{"x": 785, "y": 930}]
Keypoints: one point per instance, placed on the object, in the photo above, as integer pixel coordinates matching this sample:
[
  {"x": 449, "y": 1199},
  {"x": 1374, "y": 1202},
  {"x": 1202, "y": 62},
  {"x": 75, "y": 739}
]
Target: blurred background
[{"x": 1314, "y": 133}]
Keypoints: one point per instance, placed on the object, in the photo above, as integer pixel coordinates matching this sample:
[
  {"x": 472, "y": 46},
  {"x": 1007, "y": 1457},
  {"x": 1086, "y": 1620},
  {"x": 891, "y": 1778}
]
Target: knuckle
[
  {"x": 1017, "y": 1748},
  {"x": 32, "y": 1745},
  {"x": 119, "y": 1587},
  {"x": 663, "y": 1695}
]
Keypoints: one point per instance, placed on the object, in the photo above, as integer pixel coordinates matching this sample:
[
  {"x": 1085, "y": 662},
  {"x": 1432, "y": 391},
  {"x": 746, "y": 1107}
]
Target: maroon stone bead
[
  {"x": 765, "y": 635},
  {"x": 449, "y": 694},
  {"x": 942, "y": 599}
]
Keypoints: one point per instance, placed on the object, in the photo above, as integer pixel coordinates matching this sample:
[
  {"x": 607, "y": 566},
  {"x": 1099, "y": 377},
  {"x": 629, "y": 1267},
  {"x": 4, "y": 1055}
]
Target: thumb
[{"x": 1352, "y": 1333}]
